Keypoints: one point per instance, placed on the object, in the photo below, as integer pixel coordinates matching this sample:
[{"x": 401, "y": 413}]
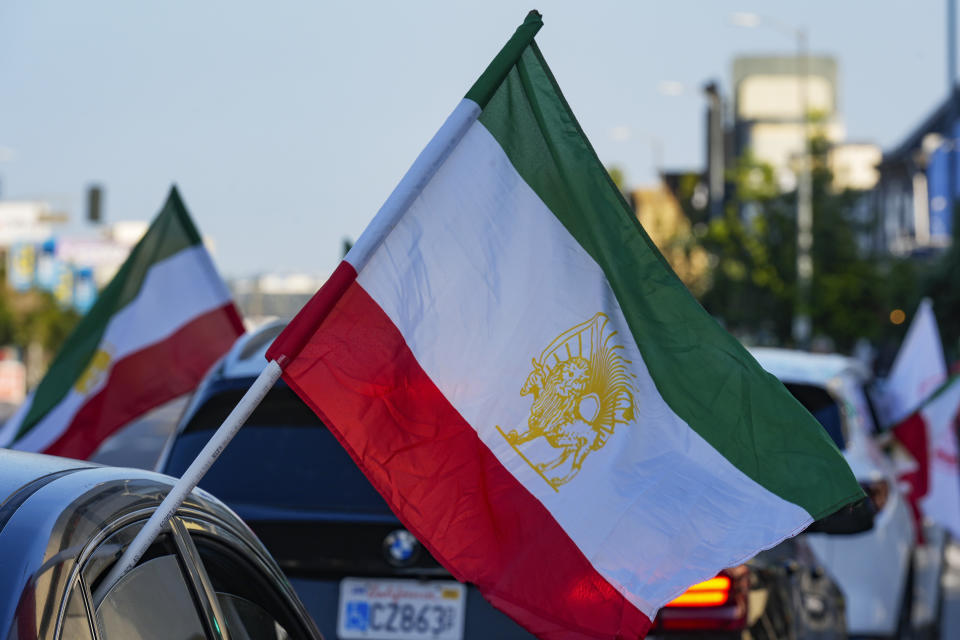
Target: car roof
[
  {"x": 247, "y": 356},
  {"x": 63, "y": 481},
  {"x": 19, "y": 469},
  {"x": 51, "y": 509},
  {"x": 803, "y": 367}
]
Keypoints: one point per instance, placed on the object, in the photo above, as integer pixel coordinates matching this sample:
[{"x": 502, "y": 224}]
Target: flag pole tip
[{"x": 174, "y": 193}]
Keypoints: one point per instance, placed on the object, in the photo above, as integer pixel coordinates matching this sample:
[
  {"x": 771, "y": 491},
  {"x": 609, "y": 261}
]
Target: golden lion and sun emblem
[
  {"x": 582, "y": 389},
  {"x": 96, "y": 371}
]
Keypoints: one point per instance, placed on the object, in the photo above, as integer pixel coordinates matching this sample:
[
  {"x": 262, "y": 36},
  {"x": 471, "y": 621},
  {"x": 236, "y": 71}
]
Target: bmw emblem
[{"x": 400, "y": 548}]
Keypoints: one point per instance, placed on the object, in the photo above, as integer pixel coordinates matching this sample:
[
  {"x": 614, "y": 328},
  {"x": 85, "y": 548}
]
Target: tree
[
  {"x": 43, "y": 321},
  {"x": 750, "y": 290},
  {"x": 753, "y": 249},
  {"x": 35, "y": 324},
  {"x": 617, "y": 176}
]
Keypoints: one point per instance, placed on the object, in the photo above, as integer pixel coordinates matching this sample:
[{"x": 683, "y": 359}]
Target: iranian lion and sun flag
[
  {"x": 154, "y": 331},
  {"x": 516, "y": 369}
]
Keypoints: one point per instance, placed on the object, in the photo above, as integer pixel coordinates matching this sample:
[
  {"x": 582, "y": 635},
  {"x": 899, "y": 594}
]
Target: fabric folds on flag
[
  {"x": 152, "y": 334},
  {"x": 516, "y": 369}
]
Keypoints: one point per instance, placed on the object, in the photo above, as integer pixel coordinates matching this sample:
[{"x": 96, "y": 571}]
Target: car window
[
  {"x": 151, "y": 602},
  {"x": 247, "y": 620},
  {"x": 282, "y": 448},
  {"x": 76, "y": 622},
  {"x": 252, "y": 604},
  {"x": 824, "y": 408},
  {"x": 108, "y": 551}
]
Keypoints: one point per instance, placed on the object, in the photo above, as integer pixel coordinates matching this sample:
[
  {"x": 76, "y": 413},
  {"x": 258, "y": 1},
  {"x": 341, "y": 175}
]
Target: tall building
[
  {"x": 776, "y": 104},
  {"x": 773, "y": 96}
]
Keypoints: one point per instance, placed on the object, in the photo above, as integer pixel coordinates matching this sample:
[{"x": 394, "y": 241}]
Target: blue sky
[{"x": 286, "y": 124}]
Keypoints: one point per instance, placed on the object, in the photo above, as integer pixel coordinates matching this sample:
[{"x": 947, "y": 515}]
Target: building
[
  {"x": 912, "y": 198},
  {"x": 777, "y": 104},
  {"x": 662, "y": 216},
  {"x": 273, "y": 296},
  {"x": 855, "y": 165},
  {"x": 73, "y": 266},
  {"x": 780, "y": 101},
  {"x": 773, "y": 97},
  {"x": 27, "y": 221}
]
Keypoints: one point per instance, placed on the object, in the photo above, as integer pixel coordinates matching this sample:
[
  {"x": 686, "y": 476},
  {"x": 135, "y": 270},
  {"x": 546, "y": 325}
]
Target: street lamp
[
  {"x": 715, "y": 173},
  {"x": 801, "y": 315}
]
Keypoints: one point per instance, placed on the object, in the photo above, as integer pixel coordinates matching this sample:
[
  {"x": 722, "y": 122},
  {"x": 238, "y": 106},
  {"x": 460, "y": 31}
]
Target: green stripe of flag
[
  {"x": 171, "y": 231},
  {"x": 702, "y": 372}
]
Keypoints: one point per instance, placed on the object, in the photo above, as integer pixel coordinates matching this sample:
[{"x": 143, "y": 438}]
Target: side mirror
[{"x": 854, "y": 518}]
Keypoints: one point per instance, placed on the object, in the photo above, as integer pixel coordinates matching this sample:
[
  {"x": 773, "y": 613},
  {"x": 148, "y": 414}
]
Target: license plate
[{"x": 401, "y": 609}]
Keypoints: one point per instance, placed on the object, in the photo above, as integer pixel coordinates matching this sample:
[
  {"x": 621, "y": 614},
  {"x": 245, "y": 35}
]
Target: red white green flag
[
  {"x": 516, "y": 369},
  {"x": 152, "y": 334},
  {"x": 930, "y": 435}
]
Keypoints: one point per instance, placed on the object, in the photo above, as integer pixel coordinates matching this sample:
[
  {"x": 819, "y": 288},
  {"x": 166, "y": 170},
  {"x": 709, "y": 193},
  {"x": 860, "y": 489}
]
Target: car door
[{"x": 198, "y": 581}]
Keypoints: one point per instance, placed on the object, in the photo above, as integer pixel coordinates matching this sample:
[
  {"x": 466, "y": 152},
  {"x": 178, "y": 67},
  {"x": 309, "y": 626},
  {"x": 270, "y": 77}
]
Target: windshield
[
  {"x": 823, "y": 407},
  {"x": 283, "y": 457}
]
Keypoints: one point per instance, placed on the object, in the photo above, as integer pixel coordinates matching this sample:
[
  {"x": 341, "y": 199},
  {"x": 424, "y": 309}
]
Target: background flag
[
  {"x": 153, "y": 332},
  {"x": 516, "y": 369},
  {"x": 918, "y": 369},
  {"x": 930, "y": 435}
]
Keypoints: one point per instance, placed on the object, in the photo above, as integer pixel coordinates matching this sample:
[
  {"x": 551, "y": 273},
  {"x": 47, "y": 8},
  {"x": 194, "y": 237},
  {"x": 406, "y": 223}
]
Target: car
[
  {"x": 345, "y": 552},
  {"x": 877, "y": 569},
  {"x": 63, "y": 525},
  {"x": 782, "y": 593}
]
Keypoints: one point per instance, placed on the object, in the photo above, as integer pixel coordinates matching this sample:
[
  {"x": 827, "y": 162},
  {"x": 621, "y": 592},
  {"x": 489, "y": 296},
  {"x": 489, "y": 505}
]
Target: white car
[{"x": 877, "y": 569}]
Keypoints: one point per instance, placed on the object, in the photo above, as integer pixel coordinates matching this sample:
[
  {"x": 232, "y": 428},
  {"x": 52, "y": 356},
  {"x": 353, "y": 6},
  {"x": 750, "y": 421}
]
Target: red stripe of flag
[
  {"x": 442, "y": 481},
  {"x": 149, "y": 377},
  {"x": 912, "y": 434}
]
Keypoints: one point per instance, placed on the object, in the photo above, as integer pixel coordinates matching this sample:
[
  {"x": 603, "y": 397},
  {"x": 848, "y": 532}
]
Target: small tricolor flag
[
  {"x": 155, "y": 329},
  {"x": 516, "y": 369}
]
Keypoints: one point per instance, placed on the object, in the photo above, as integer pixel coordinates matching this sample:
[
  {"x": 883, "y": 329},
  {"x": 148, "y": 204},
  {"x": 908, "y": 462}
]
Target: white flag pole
[{"x": 191, "y": 477}]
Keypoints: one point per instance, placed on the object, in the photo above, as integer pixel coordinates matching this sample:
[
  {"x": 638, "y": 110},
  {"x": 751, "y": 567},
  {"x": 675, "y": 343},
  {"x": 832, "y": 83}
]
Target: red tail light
[
  {"x": 708, "y": 593},
  {"x": 717, "y": 604}
]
